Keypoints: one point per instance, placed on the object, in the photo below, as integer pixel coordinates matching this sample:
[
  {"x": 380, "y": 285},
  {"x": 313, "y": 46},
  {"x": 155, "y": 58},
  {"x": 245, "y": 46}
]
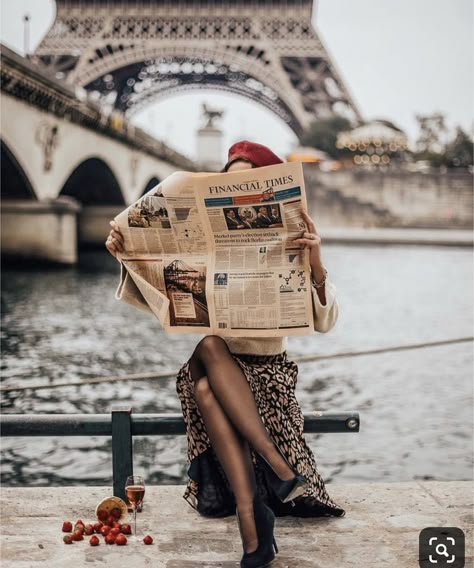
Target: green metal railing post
[{"x": 122, "y": 449}]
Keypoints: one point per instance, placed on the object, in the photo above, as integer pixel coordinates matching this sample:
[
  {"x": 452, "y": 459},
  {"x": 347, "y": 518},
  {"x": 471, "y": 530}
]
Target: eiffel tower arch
[{"x": 130, "y": 53}]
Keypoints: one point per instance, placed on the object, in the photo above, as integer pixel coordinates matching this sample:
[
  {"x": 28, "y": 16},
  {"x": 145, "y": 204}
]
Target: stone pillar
[
  {"x": 94, "y": 225},
  {"x": 209, "y": 148},
  {"x": 40, "y": 230}
]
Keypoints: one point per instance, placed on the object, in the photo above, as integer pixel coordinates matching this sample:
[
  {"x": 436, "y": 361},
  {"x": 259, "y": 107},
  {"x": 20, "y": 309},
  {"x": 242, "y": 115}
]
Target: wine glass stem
[{"x": 135, "y": 519}]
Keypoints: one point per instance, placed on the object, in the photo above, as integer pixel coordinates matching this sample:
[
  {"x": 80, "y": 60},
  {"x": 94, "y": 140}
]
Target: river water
[{"x": 415, "y": 406}]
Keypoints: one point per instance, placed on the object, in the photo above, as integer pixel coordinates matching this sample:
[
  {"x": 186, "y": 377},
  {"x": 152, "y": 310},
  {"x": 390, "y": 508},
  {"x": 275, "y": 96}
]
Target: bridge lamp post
[{"x": 26, "y": 34}]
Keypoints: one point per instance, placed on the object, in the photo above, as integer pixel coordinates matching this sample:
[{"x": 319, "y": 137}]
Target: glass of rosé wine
[{"x": 135, "y": 491}]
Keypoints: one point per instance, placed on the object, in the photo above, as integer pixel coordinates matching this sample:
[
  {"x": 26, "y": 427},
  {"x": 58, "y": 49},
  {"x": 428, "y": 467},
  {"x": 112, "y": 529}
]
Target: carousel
[{"x": 377, "y": 143}]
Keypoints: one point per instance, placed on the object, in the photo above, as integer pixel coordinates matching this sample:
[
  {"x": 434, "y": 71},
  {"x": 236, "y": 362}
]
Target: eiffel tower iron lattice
[{"x": 131, "y": 52}]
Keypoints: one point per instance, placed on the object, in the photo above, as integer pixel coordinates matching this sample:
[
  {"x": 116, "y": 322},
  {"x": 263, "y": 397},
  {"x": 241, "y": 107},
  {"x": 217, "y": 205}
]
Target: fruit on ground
[
  {"x": 126, "y": 529},
  {"x": 110, "y": 539},
  {"x": 121, "y": 540},
  {"x": 148, "y": 539},
  {"x": 67, "y": 538},
  {"x": 67, "y": 526},
  {"x": 94, "y": 540},
  {"x": 77, "y": 535},
  {"x": 104, "y": 531}
]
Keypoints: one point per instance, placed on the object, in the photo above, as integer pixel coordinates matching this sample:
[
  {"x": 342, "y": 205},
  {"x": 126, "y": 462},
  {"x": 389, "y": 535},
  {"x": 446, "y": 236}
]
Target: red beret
[{"x": 258, "y": 154}]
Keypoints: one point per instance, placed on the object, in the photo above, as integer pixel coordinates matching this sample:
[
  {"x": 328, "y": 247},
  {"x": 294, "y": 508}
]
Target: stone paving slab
[{"x": 380, "y": 529}]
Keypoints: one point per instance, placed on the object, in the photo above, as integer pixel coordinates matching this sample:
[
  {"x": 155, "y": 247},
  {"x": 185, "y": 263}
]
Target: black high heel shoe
[
  {"x": 264, "y": 523},
  {"x": 285, "y": 490}
]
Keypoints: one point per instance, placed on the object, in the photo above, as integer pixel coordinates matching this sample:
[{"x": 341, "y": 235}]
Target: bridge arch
[
  {"x": 14, "y": 181},
  {"x": 132, "y": 79},
  {"x": 93, "y": 182},
  {"x": 152, "y": 182}
]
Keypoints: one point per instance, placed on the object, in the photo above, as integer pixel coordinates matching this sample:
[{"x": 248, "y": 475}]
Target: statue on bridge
[{"x": 210, "y": 115}]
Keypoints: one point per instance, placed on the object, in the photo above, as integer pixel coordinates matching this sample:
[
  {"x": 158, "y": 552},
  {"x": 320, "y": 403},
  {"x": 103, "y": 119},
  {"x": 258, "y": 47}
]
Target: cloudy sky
[{"x": 397, "y": 58}]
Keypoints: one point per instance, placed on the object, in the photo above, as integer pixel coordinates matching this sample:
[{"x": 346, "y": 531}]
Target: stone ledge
[
  {"x": 380, "y": 529},
  {"x": 395, "y": 236},
  {"x": 63, "y": 204}
]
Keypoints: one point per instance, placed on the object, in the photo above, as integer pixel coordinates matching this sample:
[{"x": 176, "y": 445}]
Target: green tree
[
  {"x": 432, "y": 131},
  {"x": 322, "y": 135},
  {"x": 459, "y": 153}
]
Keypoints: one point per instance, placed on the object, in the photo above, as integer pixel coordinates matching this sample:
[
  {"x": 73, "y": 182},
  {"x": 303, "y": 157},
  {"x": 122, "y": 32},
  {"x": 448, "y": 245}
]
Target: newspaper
[{"x": 214, "y": 253}]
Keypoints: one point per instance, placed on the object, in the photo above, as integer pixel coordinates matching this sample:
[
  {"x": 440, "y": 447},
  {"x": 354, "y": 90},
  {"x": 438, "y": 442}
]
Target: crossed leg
[
  {"x": 233, "y": 453},
  {"x": 232, "y": 422}
]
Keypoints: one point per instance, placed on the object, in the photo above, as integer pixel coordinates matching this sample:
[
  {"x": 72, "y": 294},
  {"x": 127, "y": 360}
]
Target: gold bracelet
[{"x": 320, "y": 284}]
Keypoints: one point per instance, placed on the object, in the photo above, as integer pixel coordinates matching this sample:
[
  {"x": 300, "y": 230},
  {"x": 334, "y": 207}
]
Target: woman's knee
[
  {"x": 202, "y": 389},
  {"x": 211, "y": 347}
]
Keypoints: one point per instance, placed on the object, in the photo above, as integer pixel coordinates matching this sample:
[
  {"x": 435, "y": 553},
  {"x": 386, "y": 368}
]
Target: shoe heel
[{"x": 275, "y": 546}]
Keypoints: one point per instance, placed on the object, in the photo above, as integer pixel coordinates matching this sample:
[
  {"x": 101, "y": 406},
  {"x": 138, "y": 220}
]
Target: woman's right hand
[{"x": 114, "y": 242}]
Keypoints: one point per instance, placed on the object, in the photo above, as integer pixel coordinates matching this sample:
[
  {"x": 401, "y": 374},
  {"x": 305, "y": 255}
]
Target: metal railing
[{"x": 122, "y": 425}]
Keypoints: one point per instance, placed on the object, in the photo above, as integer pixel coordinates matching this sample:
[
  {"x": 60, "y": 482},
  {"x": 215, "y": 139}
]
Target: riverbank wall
[{"x": 358, "y": 198}]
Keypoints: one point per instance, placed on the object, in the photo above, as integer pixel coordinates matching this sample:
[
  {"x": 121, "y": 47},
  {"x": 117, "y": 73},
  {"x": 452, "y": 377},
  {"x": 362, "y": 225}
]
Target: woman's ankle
[
  {"x": 248, "y": 528},
  {"x": 278, "y": 463}
]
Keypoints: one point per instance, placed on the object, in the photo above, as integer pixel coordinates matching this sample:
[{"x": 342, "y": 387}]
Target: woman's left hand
[{"x": 311, "y": 240}]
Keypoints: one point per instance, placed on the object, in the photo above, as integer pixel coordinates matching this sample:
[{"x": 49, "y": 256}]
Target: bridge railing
[{"x": 121, "y": 424}]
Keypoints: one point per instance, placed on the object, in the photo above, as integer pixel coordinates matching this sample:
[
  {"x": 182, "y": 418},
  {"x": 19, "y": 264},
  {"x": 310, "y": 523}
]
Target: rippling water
[{"x": 415, "y": 406}]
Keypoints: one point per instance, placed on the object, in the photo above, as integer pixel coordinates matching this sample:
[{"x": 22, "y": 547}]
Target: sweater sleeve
[
  {"x": 128, "y": 291},
  {"x": 325, "y": 316}
]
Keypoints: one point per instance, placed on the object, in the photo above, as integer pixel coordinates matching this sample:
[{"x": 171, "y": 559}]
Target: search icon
[{"x": 441, "y": 549}]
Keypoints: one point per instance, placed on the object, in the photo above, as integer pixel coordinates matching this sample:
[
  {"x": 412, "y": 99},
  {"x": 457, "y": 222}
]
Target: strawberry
[
  {"x": 89, "y": 530},
  {"x": 116, "y": 525},
  {"x": 126, "y": 529},
  {"x": 110, "y": 520},
  {"x": 104, "y": 531},
  {"x": 148, "y": 539},
  {"x": 67, "y": 538},
  {"x": 67, "y": 526},
  {"x": 77, "y": 535},
  {"x": 102, "y": 515},
  {"x": 115, "y": 531},
  {"x": 79, "y": 527},
  {"x": 80, "y": 522},
  {"x": 110, "y": 539},
  {"x": 98, "y": 526},
  {"x": 94, "y": 541},
  {"x": 121, "y": 540},
  {"x": 116, "y": 513}
]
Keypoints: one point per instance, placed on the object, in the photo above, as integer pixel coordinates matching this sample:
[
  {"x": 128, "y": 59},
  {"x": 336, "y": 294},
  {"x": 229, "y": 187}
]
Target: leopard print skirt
[{"x": 272, "y": 380}]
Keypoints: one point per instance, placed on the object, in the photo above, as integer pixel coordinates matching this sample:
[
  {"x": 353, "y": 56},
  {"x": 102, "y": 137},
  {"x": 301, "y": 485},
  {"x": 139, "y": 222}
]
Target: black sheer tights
[{"x": 232, "y": 422}]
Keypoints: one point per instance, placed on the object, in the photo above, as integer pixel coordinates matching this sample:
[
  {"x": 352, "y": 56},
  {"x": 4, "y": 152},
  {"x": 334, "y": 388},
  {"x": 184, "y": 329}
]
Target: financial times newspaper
[{"x": 214, "y": 253}]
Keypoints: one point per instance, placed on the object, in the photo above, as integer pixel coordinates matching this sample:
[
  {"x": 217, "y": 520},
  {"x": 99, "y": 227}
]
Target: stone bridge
[{"x": 65, "y": 163}]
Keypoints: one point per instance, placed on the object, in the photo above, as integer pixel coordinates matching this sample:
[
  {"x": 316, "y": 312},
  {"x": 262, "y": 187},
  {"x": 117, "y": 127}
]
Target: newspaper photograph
[{"x": 214, "y": 253}]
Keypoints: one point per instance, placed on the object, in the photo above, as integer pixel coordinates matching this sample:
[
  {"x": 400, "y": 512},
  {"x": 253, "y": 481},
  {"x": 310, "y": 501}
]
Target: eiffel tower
[{"x": 129, "y": 53}]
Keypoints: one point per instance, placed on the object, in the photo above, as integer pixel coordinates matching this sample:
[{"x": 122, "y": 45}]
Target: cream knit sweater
[{"x": 325, "y": 317}]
